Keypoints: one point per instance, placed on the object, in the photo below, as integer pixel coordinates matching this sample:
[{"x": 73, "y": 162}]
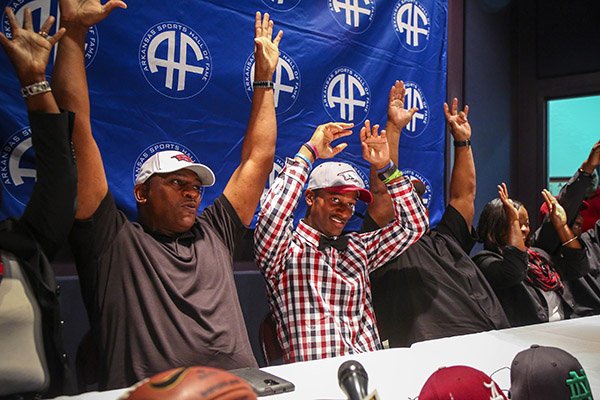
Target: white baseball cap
[
  {"x": 170, "y": 161},
  {"x": 339, "y": 177}
]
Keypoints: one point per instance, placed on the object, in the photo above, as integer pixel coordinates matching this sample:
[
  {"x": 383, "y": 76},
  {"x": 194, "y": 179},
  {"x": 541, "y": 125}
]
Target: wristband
[
  {"x": 382, "y": 170},
  {"x": 305, "y": 159},
  {"x": 462, "y": 143},
  {"x": 312, "y": 149},
  {"x": 395, "y": 175},
  {"x": 569, "y": 241},
  {"x": 263, "y": 84},
  {"x": 36, "y": 88},
  {"x": 391, "y": 171}
]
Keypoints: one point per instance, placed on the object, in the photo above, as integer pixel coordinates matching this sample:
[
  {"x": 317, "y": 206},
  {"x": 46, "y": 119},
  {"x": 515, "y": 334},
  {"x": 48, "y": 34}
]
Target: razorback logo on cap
[
  {"x": 349, "y": 175},
  {"x": 182, "y": 157}
]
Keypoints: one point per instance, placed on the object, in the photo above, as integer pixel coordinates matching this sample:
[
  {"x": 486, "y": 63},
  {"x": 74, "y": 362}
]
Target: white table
[{"x": 400, "y": 373}]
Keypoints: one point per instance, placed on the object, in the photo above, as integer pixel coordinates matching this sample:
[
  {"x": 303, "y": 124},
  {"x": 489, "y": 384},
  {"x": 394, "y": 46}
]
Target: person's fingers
[
  {"x": 111, "y": 5},
  {"x": 363, "y": 134},
  {"x": 375, "y": 131},
  {"x": 454, "y": 106},
  {"x": 27, "y": 23},
  {"x": 278, "y": 38},
  {"x": 257, "y": 24},
  {"x": 339, "y": 148},
  {"x": 47, "y": 24},
  {"x": 270, "y": 30},
  {"x": 466, "y": 110},
  {"x": 265, "y": 24},
  {"x": 12, "y": 20},
  {"x": 57, "y": 36}
]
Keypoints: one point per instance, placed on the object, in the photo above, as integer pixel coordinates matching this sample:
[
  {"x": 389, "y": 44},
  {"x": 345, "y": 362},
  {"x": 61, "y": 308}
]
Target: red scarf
[{"x": 541, "y": 274}]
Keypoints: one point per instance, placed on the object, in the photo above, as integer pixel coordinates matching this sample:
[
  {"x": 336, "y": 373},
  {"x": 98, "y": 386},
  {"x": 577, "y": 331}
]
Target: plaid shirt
[{"x": 322, "y": 299}]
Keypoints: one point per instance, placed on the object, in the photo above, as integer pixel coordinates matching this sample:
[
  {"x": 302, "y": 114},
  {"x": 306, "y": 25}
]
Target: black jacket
[{"x": 42, "y": 230}]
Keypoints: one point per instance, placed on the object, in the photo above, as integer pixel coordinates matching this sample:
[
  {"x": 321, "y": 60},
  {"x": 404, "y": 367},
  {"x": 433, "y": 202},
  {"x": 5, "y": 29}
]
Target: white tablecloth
[{"x": 400, "y": 373}]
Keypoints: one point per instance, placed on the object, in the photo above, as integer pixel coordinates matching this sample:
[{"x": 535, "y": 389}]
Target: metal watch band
[{"x": 36, "y": 88}]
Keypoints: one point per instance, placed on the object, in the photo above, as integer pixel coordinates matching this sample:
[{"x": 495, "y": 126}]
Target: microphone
[{"x": 353, "y": 380}]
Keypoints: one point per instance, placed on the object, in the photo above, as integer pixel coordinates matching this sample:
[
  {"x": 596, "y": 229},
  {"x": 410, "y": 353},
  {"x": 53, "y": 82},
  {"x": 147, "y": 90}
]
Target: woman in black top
[{"x": 527, "y": 281}]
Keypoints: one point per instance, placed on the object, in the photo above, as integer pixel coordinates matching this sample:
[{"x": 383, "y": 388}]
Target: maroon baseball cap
[{"x": 460, "y": 382}]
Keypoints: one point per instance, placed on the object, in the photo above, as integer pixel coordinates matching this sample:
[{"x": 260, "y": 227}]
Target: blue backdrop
[{"x": 177, "y": 75}]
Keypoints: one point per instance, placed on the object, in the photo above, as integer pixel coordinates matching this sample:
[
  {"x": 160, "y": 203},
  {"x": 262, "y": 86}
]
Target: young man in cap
[
  {"x": 318, "y": 278},
  {"x": 433, "y": 289},
  {"x": 161, "y": 293}
]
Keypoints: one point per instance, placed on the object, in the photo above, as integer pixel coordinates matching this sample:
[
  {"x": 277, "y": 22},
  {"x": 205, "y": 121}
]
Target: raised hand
[
  {"x": 593, "y": 160},
  {"x": 374, "y": 145},
  {"x": 457, "y": 121},
  {"x": 29, "y": 51},
  {"x": 86, "y": 13},
  {"x": 557, "y": 213},
  {"x": 266, "y": 49},
  {"x": 397, "y": 114},
  {"x": 325, "y": 134},
  {"x": 512, "y": 214}
]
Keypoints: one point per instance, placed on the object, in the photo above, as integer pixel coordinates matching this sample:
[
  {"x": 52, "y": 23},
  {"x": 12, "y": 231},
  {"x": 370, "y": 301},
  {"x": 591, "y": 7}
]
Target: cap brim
[
  {"x": 363, "y": 194},
  {"x": 207, "y": 177}
]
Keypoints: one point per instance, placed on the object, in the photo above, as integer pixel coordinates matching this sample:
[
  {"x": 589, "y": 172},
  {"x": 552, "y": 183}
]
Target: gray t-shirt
[{"x": 157, "y": 302}]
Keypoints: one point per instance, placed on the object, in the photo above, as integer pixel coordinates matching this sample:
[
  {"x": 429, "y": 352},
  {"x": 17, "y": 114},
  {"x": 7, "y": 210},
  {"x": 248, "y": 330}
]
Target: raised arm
[
  {"x": 570, "y": 198},
  {"x": 258, "y": 150},
  {"x": 50, "y": 210},
  {"x": 410, "y": 216},
  {"x": 515, "y": 236},
  {"x": 558, "y": 217},
  {"x": 274, "y": 226},
  {"x": 462, "y": 182},
  {"x": 70, "y": 87},
  {"x": 398, "y": 117}
]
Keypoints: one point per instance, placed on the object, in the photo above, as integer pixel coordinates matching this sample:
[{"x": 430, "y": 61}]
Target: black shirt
[{"x": 434, "y": 289}]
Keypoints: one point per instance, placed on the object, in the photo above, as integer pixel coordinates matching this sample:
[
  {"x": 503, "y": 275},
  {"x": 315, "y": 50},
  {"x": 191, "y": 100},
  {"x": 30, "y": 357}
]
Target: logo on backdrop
[
  {"x": 17, "y": 167},
  {"x": 346, "y": 96},
  {"x": 412, "y": 24},
  {"x": 161, "y": 146},
  {"x": 40, "y": 11},
  {"x": 286, "y": 81},
  {"x": 281, "y": 5},
  {"x": 415, "y": 175},
  {"x": 353, "y": 15},
  {"x": 175, "y": 60},
  {"x": 414, "y": 97}
]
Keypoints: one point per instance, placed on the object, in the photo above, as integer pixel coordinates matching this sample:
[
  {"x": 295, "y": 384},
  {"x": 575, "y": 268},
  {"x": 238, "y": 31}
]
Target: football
[{"x": 191, "y": 383}]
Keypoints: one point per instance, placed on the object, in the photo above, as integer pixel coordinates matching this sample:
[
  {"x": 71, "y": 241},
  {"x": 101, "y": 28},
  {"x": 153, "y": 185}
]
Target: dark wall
[{"x": 487, "y": 89}]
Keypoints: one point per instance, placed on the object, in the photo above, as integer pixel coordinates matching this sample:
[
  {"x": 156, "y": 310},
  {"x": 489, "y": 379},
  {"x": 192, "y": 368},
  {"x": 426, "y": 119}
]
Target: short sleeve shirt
[{"x": 156, "y": 302}]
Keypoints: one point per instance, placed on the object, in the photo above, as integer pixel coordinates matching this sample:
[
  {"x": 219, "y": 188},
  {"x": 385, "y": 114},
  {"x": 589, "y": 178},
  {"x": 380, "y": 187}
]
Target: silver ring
[{"x": 43, "y": 34}]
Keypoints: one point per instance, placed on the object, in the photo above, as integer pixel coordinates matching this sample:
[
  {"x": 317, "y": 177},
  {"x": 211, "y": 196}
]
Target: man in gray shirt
[{"x": 160, "y": 293}]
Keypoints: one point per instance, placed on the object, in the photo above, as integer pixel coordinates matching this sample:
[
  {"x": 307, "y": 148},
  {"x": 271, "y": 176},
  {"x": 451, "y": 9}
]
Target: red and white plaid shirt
[{"x": 322, "y": 299}]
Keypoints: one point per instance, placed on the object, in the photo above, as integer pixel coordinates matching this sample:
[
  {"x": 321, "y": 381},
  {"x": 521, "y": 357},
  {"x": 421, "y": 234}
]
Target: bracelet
[
  {"x": 569, "y": 241},
  {"x": 312, "y": 149},
  {"x": 462, "y": 143},
  {"x": 305, "y": 159},
  {"x": 382, "y": 170},
  {"x": 36, "y": 88},
  {"x": 395, "y": 175},
  {"x": 388, "y": 172},
  {"x": 263, "y": 84},
  {"x": 584, "y": 173}
]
